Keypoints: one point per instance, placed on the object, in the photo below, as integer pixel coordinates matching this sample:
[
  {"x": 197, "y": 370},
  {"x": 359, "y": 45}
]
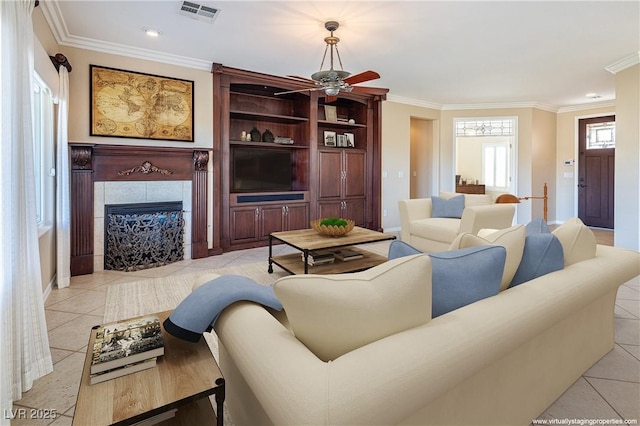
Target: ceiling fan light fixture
[{"x": 332, "y": 90}]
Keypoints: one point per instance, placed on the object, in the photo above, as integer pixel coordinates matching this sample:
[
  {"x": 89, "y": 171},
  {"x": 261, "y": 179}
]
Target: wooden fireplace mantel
[{"x": 102, "y": 163}]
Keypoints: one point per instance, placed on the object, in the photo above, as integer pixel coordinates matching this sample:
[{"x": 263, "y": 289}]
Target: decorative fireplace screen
[{"x": 141, "y": 236}]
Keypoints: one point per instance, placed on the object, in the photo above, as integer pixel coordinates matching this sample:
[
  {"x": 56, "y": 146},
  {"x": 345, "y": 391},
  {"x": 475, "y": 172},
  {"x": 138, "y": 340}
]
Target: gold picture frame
[
  {"x": 131, "y": 104},
  {"x": 331, "y": 113}
]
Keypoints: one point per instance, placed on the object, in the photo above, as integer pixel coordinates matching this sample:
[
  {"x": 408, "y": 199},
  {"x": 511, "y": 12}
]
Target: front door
[{"x": 596, "y": 170}]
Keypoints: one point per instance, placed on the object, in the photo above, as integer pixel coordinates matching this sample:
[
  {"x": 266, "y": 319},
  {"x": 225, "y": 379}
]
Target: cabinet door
[
  {"x": 271, "y": 220},
  {"x": 330, "y": 209},
  {"x": 330, "y": 166},
  {"x": 297, "y": 216},
  {"x": 244, "y": 224},
  {"x": 354, "y": 167},
  {"x": 355, "y": 210}
]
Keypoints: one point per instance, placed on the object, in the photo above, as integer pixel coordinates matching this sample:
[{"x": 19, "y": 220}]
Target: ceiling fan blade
[
  {"x": 362, "y": 77},
  {"x": 369, "y": 90}
]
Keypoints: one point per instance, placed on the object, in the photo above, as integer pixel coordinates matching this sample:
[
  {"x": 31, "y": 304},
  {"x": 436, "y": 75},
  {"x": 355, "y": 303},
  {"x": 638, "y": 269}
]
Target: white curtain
[
  {"x": 63, "y": 215},
  {"x": 24, "y": 344}
]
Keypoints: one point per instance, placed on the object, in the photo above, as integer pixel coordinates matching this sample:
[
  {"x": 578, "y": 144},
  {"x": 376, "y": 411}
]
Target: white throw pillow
[
  {"x": 512, "y": 239},
  {"x": 335, "y": 314},
  {"x": 577, "y": 240}
]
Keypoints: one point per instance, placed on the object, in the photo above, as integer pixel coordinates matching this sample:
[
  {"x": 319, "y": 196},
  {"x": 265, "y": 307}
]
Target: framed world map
[{"x": 135, "y": 105}]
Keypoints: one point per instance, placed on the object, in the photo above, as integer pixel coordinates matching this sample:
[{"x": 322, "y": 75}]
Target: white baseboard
[
  {"x": 392, "y": 230},
  {"x": 48, "y": 288}
]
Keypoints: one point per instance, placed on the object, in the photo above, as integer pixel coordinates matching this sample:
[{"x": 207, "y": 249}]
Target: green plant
[{"x": 333, "y": 221}]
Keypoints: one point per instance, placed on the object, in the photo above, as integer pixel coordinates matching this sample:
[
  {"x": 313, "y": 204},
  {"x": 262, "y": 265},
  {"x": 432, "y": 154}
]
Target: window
[
  {"x": 485, "y": 151},
  {"x": 601, "y": 135},
  {"x": 43, "y": 149}
]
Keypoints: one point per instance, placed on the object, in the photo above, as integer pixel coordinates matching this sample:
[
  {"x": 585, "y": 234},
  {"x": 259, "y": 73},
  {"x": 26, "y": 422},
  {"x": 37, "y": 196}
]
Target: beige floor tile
[
  {"x": 58, "y": 355},
  {"x": 616, "y": 365},
  {"x": 57, "y": 390},
  {"x": 62, "y": 294},
  {"x": 580, "y": 401},
  {"x": 154, "y": 272},
  {"x": 73, "y": 335},
  {"x": 627, "y": 331},
  {"x": 63, "y": 421},
  {"x": 632, "y": 349},
  {"x": 82, "y": 303},
  {"x": 94, "y": 280},
  {"x": 624, "y": 397},
  {"x": 57, "y": 318},
  {"x": 630, "y": 306},
  {"x": 633, "y": 283},
  {"x": 625, "y": 292}
]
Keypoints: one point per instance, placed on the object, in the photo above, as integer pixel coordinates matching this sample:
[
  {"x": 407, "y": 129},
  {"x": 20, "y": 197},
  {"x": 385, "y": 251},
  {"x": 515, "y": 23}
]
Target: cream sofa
[
  {"x": 499, "y": 361},
  {"x": 433, "y": 234}
]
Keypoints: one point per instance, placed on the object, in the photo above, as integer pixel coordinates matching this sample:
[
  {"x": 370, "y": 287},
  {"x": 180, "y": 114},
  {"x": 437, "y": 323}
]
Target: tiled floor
[{"x": 609, "y": 390}]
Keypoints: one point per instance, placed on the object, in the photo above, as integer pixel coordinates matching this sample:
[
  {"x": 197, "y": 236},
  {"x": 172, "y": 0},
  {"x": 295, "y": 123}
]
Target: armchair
[{"x": 432, "y": 234}]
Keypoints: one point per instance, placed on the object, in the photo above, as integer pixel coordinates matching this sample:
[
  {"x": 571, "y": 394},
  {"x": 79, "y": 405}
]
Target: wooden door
[
  {"x": 355, "y": 176},
  {"x": 297, "y": 216},
  {"x": 243, "y": 224},
  {"x": 354, "y": 209},
  {"x": 330, "y": 168},
  {"x": 596, "y": 170},
  {"x": 271, "y": 220},
  {"x": 330, "y": 209}
]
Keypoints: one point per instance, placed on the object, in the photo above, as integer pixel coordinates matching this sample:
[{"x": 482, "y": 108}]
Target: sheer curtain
[
  {"x": 24, "y": 344},
  {"x": 63, "y": 215}
]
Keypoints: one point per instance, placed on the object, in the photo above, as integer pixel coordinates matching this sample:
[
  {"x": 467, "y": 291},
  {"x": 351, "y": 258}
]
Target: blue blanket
[{"x": 199, "y": 311}]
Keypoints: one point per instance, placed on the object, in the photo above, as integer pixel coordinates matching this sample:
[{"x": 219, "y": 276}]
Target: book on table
[
  {"x": 103, "y": 376},
  {"x": 319, "y": 257},
  {"x": 126, "y": 342},
  {"x": 348, "y": 253}
]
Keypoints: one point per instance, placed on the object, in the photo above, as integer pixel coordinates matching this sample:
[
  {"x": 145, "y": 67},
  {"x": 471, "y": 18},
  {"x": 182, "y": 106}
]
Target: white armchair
[{"x": 432, "y": 234}]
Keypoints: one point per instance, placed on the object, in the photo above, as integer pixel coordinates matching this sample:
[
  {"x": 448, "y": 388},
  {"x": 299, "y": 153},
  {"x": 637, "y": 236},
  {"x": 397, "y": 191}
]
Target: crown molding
[
  {"x": 501, "y": 105},
  {"x": 53, "y": 16},
  {"x": 414, "y": 102},
  {"x": 624, "y": 63},
  {"x": 590, "y": 105}
]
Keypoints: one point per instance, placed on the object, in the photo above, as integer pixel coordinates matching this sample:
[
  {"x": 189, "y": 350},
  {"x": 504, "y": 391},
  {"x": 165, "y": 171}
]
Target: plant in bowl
[{"x": 332, "y": 226}]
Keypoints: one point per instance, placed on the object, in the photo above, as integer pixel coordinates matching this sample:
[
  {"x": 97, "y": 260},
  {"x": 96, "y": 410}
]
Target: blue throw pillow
[
  {"x": 460, "y": 277},
  {"x": 537, "y": 226},
  {"x": 452, "y": 207},
  {"x": 542, "y": 254}
]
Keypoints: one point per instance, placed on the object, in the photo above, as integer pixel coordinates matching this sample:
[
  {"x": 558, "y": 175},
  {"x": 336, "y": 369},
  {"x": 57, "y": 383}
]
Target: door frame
[{"x": 576, "y": 154}]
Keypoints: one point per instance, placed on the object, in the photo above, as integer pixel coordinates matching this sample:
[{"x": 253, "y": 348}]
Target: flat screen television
[{"x": 260, "y": 170}]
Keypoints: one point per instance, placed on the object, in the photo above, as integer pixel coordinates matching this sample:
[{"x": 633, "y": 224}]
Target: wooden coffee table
[
  {"x": 306, "y": 240},
  {"x": 182, "y": 380}
]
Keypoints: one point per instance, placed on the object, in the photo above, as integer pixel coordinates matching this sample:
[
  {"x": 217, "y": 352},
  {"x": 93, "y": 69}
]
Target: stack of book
[
  {"x": 125, "y": 347},
  {"x": 319, "y": 257},
  {"x": 347, "y": 253}
]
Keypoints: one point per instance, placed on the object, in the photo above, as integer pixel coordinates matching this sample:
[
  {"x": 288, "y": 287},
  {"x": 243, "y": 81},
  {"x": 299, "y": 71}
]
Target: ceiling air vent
[{"x": 198, "y": 11}]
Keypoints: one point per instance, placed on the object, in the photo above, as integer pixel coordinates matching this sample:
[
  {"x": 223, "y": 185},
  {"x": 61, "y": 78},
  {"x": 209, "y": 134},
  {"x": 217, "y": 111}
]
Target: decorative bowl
[{"x": 332, "y": 230}]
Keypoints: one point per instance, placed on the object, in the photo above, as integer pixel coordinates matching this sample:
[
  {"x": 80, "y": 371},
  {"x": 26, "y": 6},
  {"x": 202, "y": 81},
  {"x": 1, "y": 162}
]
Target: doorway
[
  {"x": 596, "y": 170},
  {"x": 421, "y": 163}
]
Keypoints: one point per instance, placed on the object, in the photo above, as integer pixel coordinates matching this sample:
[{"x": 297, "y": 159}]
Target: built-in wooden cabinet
[{"x": 263, "y": 186}]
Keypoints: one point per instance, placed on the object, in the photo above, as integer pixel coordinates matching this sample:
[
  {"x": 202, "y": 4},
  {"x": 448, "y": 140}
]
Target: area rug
[{"x": 162, "y": 294}]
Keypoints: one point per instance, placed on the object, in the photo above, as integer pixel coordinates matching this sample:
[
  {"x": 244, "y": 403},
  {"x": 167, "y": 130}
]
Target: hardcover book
[
  {"x": 121, "y": 371},
  {"x": 126, "y": 342}
]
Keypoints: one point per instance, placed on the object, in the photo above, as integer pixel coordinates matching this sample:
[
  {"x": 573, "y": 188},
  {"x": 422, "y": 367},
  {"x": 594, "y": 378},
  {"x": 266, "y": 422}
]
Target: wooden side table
[{"x": 182, "y": 380}]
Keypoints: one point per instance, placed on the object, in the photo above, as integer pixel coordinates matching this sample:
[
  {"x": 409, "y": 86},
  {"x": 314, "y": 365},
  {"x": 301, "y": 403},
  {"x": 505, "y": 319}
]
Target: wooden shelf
[
  {"x": 293, "y": 263},
  {"x": 268, "y": 144},
  {"x": 325, "y": 123},
  {"x": 274, "y": 118}
]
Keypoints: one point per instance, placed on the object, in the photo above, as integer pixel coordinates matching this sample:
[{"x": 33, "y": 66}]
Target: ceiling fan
[{"x": 333, "y": 81}]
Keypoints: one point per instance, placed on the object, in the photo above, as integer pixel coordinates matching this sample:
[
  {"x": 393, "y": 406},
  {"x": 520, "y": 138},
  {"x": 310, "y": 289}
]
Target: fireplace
[{"x": 143, "y": 235}]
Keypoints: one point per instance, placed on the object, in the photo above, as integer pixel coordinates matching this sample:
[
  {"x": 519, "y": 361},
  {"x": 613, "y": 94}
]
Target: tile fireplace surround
[{"x": 120, "y": 174}]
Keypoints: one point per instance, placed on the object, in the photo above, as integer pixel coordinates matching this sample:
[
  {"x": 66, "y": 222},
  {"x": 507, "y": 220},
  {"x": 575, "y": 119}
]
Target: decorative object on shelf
[
  {"x": 351, "y": 141},
  {"x": 283, "y": 140},
  {"x": 333, "y": 81},
  {"x": 243, "y": 136},
  {"x": 332, "y": 226},
  {"x": 352, "y": 121},
  {"x": 342, "y": 141},
  {"x": 163, "y": 105},
  {"x": 255, "y": 135},
  {"x": 330, "y": 113},
  {"x": 267, "y": 136},
  {"x": 329, "y": 138},
  {"x": 510, "y": 198}
]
